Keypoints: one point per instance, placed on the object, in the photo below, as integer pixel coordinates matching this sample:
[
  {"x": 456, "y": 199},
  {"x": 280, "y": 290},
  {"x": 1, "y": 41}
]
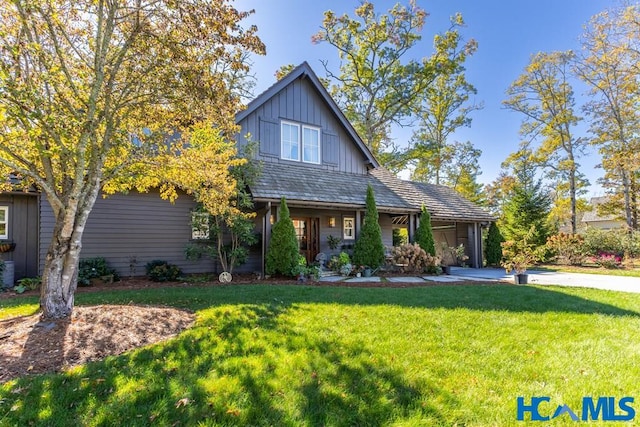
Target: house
[
  {"x": 595, "y": 219},
  {"x": 309, "y": 153}
]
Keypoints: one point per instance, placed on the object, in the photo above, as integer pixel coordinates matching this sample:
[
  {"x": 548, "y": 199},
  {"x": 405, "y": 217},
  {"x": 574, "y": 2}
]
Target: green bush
[
  {"x": 424, "y": 233},
  {"x": 30, "y": 283},
  {"x": 400, "y": 236},
  {"x": 492, "y": 247},
  {"x": 92, "y": 268},
  {"x": 369, "y": 249},
  {"x": 162, "y": 271},
  {"x": 282, "y": 255},
  {"x": 619, "y": 242}
]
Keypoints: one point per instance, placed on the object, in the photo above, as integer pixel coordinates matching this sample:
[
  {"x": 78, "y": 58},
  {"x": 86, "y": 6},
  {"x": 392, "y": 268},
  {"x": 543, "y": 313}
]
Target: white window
[
  {"x": 300, "y": 143},
  {"x": 348, "y": 228},
  {"x": 4, "y": 222},
  {"x": 290, "y": 141},
  {"x": 199, "y": 225},
  {"x": 310, "y": 145}
]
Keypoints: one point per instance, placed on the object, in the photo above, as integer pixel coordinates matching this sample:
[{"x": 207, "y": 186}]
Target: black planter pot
[
  {"x": 521, "y": 279},
  {"x": 446, "y": 269}
]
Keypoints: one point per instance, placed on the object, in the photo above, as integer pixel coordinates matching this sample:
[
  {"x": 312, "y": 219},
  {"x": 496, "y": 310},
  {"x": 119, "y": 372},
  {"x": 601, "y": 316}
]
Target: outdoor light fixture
[{"x": 332, "y": 221}]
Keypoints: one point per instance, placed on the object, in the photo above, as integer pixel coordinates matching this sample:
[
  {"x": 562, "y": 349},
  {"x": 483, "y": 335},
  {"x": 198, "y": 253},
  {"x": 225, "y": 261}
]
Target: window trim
[
  {"x": 282, "y": 151},
  {"x": 5, "y": 236},
  {"x": 301, "y": 142},
  {"x": 345, "y": 228},
  {"x": 319, "y": 131}
]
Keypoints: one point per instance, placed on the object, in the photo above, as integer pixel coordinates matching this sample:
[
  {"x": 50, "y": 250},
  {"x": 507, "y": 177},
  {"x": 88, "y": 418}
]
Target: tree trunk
[
  {"x": 60, "y": 275},
  {"x": 60, "y": 279}
]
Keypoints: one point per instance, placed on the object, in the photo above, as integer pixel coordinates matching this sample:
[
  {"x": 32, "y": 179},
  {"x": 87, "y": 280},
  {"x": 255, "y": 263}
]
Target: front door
[{"x": 308, "y": 235}]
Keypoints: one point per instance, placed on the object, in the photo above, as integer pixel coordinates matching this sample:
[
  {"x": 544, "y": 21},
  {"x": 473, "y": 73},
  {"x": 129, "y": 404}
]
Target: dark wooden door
[{"x": 308, "y": 235}]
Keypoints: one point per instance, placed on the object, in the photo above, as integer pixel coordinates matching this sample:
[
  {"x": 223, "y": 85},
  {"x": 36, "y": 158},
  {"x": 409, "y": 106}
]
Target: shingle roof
[
  {"x": 303, "y": 183},
  {"x": 594, "y": 216},
  {"x": 443, "y": 203},
  {"x": 311, "y": 185}
]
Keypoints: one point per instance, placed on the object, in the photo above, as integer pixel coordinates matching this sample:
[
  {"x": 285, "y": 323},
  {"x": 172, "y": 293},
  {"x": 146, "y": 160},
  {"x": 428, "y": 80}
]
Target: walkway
[{"x": 459, "y": 274}]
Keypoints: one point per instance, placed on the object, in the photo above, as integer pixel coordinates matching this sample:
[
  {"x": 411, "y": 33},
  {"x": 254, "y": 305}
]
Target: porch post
[{"x": 411, "y": 225}]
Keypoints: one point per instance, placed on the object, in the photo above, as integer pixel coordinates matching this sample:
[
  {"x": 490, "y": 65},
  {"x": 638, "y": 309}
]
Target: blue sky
[{"x": 508, "y": 33}]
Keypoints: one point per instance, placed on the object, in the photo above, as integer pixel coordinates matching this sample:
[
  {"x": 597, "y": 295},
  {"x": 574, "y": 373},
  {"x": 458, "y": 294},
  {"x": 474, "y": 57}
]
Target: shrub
[
  {"x": 611, "y": 241},
  {"x": 369, "y": 249},
  {"x": 424, "y": 233},
  {"x": 162, "y": 271},
  {"x": 415, "y": 259},
  {"x": 492, "y": 247},
  {"x": 336, "y": 263},
  {"x": 568, "y": 249},
  {"x": 282, "y": 255},
  {"x": 93, "y": 268},
  {"x": 30, "y": 283},
  {"x": 607, "y": 260}
]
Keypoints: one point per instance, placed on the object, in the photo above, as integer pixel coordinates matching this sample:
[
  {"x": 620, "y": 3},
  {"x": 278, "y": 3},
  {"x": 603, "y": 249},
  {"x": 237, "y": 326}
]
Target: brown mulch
[{"x": 31, "y": 346}]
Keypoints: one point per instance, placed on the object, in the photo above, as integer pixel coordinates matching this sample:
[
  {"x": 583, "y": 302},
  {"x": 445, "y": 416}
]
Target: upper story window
[{"x": 300, "y": 143}]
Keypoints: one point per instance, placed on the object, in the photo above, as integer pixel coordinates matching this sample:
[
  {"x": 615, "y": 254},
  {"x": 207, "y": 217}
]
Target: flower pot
[
  {"x": 521, "y": 279},
  {"x": 367, "y": 272},
  {"x": 446, "y": 269}
]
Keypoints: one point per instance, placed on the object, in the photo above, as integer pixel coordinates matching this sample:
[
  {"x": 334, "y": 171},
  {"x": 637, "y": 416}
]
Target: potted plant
[{"x": 517, "y": 256}]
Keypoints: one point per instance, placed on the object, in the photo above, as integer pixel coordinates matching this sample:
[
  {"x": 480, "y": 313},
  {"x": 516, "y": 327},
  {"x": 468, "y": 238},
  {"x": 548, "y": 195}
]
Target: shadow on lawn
[
  {"x": 474, "y": 297},
  {"x": 244, "y": 365}
]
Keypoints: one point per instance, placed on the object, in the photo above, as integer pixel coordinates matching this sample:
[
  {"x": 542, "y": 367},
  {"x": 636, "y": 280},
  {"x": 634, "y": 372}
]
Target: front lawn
[
  {"x": 625, "y": 272},
  {"x": 302, "y": 355}
]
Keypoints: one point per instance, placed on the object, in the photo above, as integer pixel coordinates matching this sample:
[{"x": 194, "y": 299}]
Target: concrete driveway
[{"x": 597, "y": 281}]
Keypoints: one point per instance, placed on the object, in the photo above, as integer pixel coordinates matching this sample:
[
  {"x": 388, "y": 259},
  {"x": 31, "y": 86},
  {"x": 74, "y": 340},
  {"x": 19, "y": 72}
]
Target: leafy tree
[
  {"x": 445, "y": 107},
  {"x": 379, "y": 85},
  {"x": 93, "y": 96},
  {"x": 424, "y": 233},
  {"x": 232, "y": 231},
  {"x": 609, "y": 65},
  {"x": 492, "y": 246},
  {"x": 283, "y": 251},
  {"x": 369, "y": 249},
  {"x": 544, "y": 96}
]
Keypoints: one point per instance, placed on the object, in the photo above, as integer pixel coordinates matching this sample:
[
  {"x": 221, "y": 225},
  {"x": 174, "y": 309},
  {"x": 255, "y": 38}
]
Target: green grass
[
  {"x": 590, "y": 270},
  {"x": 289, "y": 356}
]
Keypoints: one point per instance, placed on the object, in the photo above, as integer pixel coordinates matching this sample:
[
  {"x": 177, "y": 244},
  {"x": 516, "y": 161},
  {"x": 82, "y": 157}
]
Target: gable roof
[{"x": 304, "y": 71}]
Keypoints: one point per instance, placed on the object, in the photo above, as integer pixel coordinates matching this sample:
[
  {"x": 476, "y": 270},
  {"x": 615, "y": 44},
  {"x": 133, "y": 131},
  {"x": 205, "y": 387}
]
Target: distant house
[
  {"x": 603, "y": 222},
  {"x": 310, "y": 154}
]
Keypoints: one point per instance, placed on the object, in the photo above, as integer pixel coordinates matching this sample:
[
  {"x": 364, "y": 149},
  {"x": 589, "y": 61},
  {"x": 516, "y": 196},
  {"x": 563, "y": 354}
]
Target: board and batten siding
[
  {"x": 23, "y": 231},
  {"x": 129, "y": 230},
  {"x": 299, "y": 102}
]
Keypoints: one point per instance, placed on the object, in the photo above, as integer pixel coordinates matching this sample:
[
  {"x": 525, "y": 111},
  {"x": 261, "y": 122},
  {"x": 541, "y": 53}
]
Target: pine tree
[
  {"x": 369, "y": 249},
  {"x": 424, "y": 233},
  {"x": 492, "y": 248},
  {"x": 283, "y": 253},
  {"x": 528, "y": 206}
]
